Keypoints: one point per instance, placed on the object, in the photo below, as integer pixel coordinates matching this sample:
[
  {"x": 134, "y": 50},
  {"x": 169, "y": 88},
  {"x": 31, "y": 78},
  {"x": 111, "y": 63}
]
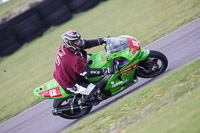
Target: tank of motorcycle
[{"x": 50, "y": 90}]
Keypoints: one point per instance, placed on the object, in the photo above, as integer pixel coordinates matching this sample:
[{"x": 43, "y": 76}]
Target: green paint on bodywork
[
  {"x": 144, "y": 54},
  {"x": 43, "y": 90},
  {"x": 116, "y": 82}
]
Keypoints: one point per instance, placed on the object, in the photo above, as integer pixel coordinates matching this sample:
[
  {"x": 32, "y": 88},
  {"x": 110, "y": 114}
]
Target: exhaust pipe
[{"x": 72, "y": 109}]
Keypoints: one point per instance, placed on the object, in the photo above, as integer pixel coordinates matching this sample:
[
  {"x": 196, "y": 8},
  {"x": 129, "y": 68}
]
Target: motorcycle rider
[{"x": 71, "y": 67}]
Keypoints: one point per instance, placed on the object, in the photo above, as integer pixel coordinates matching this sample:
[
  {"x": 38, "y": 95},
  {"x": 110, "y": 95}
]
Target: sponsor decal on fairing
[{"x": 118, "y": 83}]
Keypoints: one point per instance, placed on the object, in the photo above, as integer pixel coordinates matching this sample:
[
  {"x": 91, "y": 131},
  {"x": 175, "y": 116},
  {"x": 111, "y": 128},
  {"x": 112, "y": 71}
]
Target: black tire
[
  {"x": 11, "y": 49},
  {"x": 62, "y": 19},
  {"x": 74, "y": 5},
  {"x": 33, "y": 20},
  {"x": 34, "y": 35},
  {"x": 3, "y": 26},
  {"x": 7, "y": 42},
  {"x": 66, "y": 2},
  {"x": 58, "y": 17},
  {"x": 44, "y": 4},
  {"x": 5, "y": 31},
  {"x": 59, "y": 103},
  {"x": 29, "y": 28},
  {"x": 22, "y": 16},
  {"x": 157, "y": 61},
  {"x": 48, "y": 7},
  {"x": 88, "y": 5}
]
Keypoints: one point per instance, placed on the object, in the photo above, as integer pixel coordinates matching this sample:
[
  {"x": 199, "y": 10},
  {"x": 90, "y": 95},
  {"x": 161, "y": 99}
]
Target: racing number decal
[
  {"x": 52, "y": 93},
  {"x": 55, "y": 92},
  {"x": 133, "y": 43}
]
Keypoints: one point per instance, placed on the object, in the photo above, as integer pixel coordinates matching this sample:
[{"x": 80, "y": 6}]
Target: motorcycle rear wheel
[
  {"x": 66, "y": 103},
  {"x": 155, "y": 64}
]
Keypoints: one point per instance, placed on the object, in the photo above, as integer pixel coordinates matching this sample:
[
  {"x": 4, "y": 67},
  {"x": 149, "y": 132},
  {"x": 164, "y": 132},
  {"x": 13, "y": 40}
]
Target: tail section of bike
[{"x": 50, "y": 90}]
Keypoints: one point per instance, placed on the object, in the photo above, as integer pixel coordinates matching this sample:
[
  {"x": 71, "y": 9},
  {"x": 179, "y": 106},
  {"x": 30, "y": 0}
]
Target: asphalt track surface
[{"x": 181, "y": 47}]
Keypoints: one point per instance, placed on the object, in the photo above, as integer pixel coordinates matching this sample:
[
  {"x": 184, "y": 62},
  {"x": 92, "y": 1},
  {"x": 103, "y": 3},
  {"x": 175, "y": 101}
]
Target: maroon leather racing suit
[{"x": 69, "y": 65}]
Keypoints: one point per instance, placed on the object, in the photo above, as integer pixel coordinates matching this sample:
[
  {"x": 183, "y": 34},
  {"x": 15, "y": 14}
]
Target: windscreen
[{"x": 116, "y": 44}]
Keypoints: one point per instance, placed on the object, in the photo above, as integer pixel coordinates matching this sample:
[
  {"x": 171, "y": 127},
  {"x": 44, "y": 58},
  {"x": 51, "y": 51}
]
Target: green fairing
[
  {"x": 116, "y": 83},
  {"x": 144, "y": 54},
  {"x": 50, "y": 90}
]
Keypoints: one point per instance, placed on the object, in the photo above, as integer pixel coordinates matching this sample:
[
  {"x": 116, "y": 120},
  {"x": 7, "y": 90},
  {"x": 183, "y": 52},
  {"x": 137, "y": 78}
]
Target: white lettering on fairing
[
  {"x": 119, "y": 83},
  {"x": 59, "y": 55},
  {"x": 94, "y": 72},
  {"x": 52, "y": 85}
]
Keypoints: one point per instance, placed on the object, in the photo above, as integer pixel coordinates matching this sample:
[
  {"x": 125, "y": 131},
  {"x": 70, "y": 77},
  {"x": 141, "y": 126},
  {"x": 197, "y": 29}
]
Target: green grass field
[
  {"x": 170, "y": 105},
  {"x": 33, "y": 64}
]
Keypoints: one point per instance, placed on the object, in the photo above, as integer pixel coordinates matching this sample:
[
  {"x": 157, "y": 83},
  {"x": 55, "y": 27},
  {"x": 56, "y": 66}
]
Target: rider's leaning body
[{"x": 71, "y": 67}]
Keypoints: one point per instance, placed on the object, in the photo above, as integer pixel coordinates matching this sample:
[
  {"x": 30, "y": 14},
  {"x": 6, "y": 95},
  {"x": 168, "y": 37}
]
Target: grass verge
[
  {"x": 33, "y": 64},
  {"x": 172, "y": 104}
]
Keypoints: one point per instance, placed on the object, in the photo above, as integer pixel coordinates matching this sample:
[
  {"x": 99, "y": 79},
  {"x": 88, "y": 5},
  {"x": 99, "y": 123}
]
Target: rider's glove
[
  {"x": 110, "y": 70},
  {"x": 101, "y": 41}
]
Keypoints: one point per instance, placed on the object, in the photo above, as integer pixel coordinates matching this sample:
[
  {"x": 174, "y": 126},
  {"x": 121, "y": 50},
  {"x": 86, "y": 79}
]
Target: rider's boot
[
  {"x": 92, "y": 97},
  {"x": 107, "y": 93},
  {"x": 97, "y": 95},
  {"x": 101, "y": 95}
]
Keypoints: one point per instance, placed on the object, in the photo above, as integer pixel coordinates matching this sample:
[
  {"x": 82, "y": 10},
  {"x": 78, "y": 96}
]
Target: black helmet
[{"x": 72, "y": 39}]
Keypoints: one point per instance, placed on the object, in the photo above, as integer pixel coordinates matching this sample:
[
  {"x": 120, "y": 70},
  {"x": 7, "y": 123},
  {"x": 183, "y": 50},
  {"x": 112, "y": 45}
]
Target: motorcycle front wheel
[
  {"x": 155, "y": 64},
  {"x": 68, "y": 103}
]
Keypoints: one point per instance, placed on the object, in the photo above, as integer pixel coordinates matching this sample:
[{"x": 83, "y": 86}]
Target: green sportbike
[{"x": 131, "y": 62}]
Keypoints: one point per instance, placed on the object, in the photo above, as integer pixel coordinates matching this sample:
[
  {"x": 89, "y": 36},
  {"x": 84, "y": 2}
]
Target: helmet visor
[{"x": 77, "y": 42}]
